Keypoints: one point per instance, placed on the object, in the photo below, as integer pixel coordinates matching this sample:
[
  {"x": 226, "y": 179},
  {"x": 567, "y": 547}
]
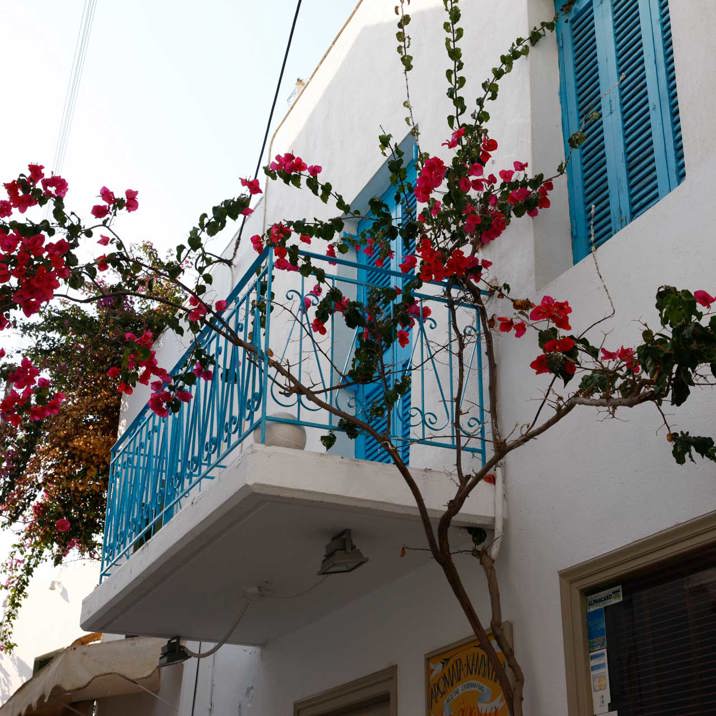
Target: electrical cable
[
  {"x": 264, "y": 595},
  {"x": 78, "y": 63},
  {"x": 270, "y": 118},
  {"x": 203, "y": 654},
  {"x": 196, "y": 681},
  {"x": 295, "y": 595}
]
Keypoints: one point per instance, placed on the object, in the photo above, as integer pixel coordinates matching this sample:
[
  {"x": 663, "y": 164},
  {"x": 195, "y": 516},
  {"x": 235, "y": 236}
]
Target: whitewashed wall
[{"x": 590, "y": 485}]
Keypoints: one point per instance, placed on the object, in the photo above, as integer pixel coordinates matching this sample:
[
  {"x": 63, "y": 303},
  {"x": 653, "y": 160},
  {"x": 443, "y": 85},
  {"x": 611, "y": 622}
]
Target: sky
[{"x": 173, "y": 102}]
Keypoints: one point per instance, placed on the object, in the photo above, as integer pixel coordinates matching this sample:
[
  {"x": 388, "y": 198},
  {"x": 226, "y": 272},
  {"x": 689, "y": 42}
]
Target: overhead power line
[
  {"x": 270, "y": 116},
  {"x": 73, "y": 85}
]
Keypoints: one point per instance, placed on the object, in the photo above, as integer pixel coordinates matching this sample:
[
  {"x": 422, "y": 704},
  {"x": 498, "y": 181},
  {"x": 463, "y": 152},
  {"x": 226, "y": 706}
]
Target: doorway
[{"x": 373, "y": 695}]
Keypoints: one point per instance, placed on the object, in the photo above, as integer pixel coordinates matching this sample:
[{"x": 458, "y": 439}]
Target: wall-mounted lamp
[
  {"x": 173, "y": 652},
  {"x": 341, "y": 555}
]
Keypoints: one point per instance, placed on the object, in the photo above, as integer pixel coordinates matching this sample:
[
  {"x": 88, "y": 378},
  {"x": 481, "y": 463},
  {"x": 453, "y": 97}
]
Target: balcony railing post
[{"x": 266, "y": 346}]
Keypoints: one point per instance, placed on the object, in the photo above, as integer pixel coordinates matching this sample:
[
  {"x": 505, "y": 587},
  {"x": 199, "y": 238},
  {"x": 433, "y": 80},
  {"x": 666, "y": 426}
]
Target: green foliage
[
  {"x": 684, "y": 444},
  {"x": 58, "y": 469},
  {"x": 673, "y": 359}
]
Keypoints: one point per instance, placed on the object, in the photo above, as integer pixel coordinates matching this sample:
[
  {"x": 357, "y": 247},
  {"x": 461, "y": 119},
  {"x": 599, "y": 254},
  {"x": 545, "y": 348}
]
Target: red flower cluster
[
  {"x": 198, "y": 309},
  {"x": 431, "y": 177},
  {"x": 288, "y": 163},
  {"x": 22, "y": 193},
  {"x": 496, "y": 226},
  {"x": 559, "y": 347},
  {"x": 437, "y": 265},
  {"x": 142, "y": 360},
  {"x": 63, "y": 525},
  {"x": 111, "y": 202},
  {"x": 555, "y": 311},
  {"x": 624, "y": 355},
  {"x": 507, "y": 325},
  {"x": 31, "y": 270},
  {"x": 318, "y": 326},
  {"x": 28, "y": 394}
]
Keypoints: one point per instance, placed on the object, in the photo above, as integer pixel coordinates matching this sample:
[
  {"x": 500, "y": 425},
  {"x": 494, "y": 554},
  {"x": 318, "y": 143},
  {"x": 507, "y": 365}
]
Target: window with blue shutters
[
  {"x": 618, "y": 86},
  {"x": 397, "y": 359}
]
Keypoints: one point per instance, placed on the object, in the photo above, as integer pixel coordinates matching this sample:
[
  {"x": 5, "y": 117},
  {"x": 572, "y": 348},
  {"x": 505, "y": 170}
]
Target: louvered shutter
[
  {"x": 372, "y": 277},
  {"x": 396, "y": 358},
  {"x": 616, "y": 57},
  {"x": 408, "y": 212}
]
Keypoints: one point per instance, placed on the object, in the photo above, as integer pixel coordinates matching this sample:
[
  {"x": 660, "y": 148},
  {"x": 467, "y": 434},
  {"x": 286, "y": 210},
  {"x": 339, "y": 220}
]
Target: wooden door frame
[{"x": 367, "y": 690}]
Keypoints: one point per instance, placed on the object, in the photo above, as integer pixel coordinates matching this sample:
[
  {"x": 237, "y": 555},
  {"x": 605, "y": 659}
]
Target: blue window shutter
[
  {"x": 396, "y": 358},
  {"x": 664, "y": 90},
  {"x": 582, "y": 94},
  {"x": 618, "y": 55}
]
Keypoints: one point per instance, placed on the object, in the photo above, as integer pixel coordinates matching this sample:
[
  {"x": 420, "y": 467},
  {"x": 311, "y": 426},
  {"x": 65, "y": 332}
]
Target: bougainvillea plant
[
  {"x": 466, "y": 201},
  {"x": 54, "y": 471}
]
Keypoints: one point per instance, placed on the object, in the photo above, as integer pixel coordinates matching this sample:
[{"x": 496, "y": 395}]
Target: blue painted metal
[
  {"x": 159, "y": 462},
  {"x": 616, "y": 56},
  {"x": 396, "y": 359}
]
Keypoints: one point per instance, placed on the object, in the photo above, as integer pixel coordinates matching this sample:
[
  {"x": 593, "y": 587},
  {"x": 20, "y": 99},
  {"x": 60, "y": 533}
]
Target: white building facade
[{"x": 593, "y": 504}]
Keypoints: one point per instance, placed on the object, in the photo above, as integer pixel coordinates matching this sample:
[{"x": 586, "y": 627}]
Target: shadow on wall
[{"x": 13, "y": 672}]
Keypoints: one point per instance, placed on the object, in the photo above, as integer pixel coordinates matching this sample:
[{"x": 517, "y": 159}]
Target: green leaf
[{"x": 328, "y": 441}]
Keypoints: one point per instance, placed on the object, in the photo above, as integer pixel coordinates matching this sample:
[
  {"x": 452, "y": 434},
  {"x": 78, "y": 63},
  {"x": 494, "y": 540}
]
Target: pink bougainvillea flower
[
  {"x": 430, "y": 178},
  {"x": 36, "y": 173},
  {"x": 131, "y": 198},
  {"x": 257, "y": 242},
  {"x": 408, "y": 263},
  {"x": 314, "y": 170},
  {"x": 559, "y": 345},
  {"x": 106, "y": 195},
  {"x": 623, "y": 354},
  {"x": 54, "y": 186},
  {"x": 318, "y": 326},
  {"x": 220, "y": 306},
  {"x": 99, "y": 211},
  {"x": 704, "y": 298},
  {"x": 200, "y": 372},
  {"x": 252, "y": 185},
  {"x": 540, "y": 364},
  {"x": 454, "y": 138},
  {"x": 551, "y": 310},
  {"x": 403, "y": 338},
  {"x": 63, "y": 525}
]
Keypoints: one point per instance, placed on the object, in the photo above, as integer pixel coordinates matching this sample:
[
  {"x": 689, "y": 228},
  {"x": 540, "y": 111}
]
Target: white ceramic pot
[{"x": 282, "y": 434}]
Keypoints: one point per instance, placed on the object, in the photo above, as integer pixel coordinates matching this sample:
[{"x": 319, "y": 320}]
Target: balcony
[{"x": 204, "y": 510}]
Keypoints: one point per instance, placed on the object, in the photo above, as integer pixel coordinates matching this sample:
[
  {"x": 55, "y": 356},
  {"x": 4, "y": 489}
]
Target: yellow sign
[{"x": 461, "y": 681}]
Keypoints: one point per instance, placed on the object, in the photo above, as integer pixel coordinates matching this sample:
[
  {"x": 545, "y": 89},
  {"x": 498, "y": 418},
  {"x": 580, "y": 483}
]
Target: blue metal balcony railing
[{"x": 158, "y": 462}]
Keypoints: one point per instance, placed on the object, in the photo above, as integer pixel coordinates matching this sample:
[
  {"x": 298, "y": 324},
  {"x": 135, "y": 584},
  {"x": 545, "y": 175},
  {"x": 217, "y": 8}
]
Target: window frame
[{"x": 576, "y": 581}]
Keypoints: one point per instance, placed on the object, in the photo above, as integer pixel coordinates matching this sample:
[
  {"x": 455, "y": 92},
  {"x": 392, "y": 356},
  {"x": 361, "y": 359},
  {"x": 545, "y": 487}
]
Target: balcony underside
[{"x": 264, "y": 523}]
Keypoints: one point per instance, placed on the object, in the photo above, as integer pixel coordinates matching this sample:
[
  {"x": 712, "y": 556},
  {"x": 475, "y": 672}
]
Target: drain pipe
[{"x": 499, "y": 512}]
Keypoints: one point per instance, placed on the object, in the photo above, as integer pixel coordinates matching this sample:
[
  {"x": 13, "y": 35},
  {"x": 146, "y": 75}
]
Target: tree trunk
[{"x": 512, "y": 696}]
